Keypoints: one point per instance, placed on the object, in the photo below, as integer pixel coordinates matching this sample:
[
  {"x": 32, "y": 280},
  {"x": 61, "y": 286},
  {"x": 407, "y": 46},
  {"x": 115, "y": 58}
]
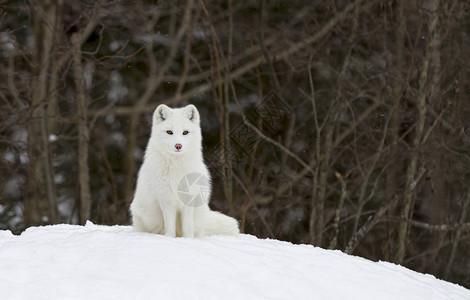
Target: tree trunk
[
  {"x": 42, "y": 205},
  {"x": 438, "y": 199},
  {"x": 83, "y": 132},
  {"x": 411, "y": 173},
  {"x": 397, "y": 85}
]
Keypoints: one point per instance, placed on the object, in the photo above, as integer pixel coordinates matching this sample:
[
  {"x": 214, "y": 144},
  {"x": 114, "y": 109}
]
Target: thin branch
[
  {"x": 253, "y": 202},
  {"x": 326, "y": 29},
  {"x": 338, "y": 211}
]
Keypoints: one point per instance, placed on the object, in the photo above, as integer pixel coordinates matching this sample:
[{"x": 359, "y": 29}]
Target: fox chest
[{"x": 173, "y": 178}]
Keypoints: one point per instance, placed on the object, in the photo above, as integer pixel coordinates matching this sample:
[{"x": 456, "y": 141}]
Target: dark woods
[{"x": 344, "y": 124}]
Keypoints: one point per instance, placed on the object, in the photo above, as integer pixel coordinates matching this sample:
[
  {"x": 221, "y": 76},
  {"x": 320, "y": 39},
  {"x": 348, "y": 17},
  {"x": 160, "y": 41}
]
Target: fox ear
[
  {"x": 191, "y": 113},
  {"x": 161, "y": 113}
]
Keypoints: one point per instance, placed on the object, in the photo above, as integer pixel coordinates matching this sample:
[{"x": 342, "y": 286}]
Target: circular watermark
[{"x": 194, "y": 189}]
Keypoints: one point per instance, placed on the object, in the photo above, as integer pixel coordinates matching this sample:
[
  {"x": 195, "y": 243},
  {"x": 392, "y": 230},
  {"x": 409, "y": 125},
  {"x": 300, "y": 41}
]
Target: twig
[{"x": 368, "y": 225}]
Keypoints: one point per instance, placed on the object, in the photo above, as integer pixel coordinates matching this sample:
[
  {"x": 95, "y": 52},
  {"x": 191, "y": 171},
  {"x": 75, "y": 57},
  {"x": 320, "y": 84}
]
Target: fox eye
[
  {"x": 185, "y": 132},
  {"x": 169, "y": 132}
]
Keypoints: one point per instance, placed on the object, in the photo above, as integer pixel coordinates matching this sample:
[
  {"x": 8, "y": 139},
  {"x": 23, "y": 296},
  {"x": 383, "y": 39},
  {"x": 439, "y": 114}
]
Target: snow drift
[{"x": 103, "y": 262}]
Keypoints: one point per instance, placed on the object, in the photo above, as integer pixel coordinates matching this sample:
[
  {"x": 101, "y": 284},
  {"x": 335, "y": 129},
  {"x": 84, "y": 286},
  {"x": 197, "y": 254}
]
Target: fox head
[{"x": 177, "y": 130}]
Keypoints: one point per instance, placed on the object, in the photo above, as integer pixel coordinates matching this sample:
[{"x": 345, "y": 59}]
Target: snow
[{"x": 113, "y": 262}]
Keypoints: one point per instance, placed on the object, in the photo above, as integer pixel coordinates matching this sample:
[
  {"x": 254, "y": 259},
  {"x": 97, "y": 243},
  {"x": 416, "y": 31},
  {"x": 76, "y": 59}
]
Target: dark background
[{"x": 344, "y": 124}]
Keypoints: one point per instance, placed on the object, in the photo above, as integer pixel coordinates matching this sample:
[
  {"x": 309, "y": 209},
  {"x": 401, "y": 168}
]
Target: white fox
[{"x": 165, "y": 201}]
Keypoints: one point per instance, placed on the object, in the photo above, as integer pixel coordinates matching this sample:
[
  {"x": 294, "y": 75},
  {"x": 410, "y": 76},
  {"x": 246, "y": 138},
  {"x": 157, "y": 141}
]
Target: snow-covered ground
[{"x": 112, "y": 262}]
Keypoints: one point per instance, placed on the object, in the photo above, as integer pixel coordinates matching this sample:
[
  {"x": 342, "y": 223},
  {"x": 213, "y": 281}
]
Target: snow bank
[{"x": 103, "y": 262}]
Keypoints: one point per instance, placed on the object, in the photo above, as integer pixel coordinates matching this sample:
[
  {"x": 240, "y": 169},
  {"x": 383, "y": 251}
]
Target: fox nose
[{"x": 178, "y": 146}]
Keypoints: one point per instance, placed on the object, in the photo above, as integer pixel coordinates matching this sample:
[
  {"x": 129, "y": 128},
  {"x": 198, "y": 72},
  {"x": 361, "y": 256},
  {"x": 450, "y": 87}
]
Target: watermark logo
[
  {"x": 268, "y": 117},
  {"x": 194, "y": 190}
]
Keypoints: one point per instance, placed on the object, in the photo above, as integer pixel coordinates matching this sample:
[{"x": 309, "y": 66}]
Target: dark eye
[
  {"x": 185, "y": 132},
  {"x": 169, "y": 132}
]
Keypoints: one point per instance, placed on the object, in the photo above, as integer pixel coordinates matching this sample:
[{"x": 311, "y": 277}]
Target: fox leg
[
  {"x": 200, "y": 219},
  {"x": 169, "y": 217},
  {"x": 187, "y": 221}
]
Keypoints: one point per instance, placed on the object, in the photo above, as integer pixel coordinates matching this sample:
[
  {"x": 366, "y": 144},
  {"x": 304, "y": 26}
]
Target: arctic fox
[{"x": 173, "y": 185}]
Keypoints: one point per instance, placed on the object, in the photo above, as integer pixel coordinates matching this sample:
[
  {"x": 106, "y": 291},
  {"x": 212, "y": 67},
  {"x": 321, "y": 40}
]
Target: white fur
[{"x": 156, "y": 206}]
